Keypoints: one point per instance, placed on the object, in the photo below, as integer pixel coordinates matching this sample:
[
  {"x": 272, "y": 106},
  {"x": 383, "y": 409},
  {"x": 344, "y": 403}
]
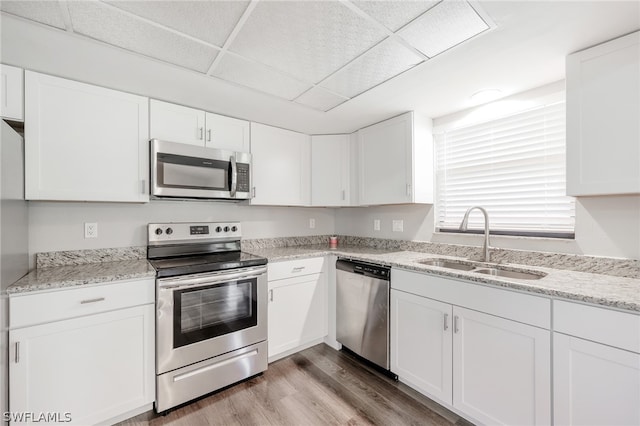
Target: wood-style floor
[{"x": 318, "y": 386}]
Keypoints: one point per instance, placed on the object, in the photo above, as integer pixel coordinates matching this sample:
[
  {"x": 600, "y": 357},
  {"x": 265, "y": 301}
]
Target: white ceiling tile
[
  {"x": 394, "y": 14},
  {"x": 318, "y": 98},
  {"x": 45, "y": 12},
  {"x": 256, "y": 76},
  {"x": 307, "y": 39},
  {"x": 449, "y": 23},
  {"x": 378, "y": 65},
  {"x": 211, "y": 21},
  {"x": 104, "y": 23}
]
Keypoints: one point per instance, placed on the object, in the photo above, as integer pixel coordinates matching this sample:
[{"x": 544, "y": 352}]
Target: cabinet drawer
[
  {"x": 515, "y": 306},
  {"x": 293, "y": 268},
  {"x": 68, "y": 303},
  {"x": 614, "y": 328}
]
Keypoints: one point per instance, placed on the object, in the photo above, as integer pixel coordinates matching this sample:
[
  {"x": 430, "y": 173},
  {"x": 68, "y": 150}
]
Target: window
[{"x": 514, "y": 167}]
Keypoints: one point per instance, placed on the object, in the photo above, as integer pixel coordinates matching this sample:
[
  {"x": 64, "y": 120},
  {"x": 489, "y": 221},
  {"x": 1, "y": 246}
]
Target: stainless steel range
[{"x": 211, "y": 303}]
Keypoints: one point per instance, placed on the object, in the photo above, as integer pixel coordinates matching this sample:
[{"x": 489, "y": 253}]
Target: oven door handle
[{"x": 176, "y": 283}]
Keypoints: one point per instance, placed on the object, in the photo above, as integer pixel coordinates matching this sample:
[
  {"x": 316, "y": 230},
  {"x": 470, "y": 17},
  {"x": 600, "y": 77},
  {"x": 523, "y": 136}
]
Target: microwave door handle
[{"x": 234, "y": 176}]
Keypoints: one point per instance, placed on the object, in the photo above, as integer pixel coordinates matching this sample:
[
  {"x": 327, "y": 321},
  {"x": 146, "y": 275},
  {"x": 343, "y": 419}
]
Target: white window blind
[{"x": 514, "y": 167}]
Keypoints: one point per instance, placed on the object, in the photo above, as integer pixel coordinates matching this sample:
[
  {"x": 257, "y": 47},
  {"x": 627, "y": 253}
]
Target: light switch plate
[{"x": 398, "y": 225}]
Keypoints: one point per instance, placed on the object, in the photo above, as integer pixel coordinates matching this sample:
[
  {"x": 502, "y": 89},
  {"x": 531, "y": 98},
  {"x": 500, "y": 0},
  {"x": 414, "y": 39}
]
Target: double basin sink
[{"x": 483, "y": 269}]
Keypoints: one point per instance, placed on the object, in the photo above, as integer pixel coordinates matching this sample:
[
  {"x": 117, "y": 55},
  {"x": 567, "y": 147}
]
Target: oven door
[{"x": 205, "y": 315}]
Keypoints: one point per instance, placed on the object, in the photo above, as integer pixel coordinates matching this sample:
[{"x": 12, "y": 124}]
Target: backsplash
[{"x": 82, "y": 257}]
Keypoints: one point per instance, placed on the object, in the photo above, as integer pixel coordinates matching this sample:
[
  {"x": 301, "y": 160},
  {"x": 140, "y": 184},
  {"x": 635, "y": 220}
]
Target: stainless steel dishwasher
[{"x": 362, "y": 310}]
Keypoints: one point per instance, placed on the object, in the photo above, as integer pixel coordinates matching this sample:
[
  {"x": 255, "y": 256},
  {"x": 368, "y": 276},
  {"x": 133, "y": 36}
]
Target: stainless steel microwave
[{"x": 188, "y": 171}]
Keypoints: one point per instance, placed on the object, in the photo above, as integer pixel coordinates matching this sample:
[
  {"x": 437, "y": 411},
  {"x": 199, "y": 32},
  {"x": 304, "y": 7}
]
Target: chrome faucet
[{"x": 464, "y": 224}]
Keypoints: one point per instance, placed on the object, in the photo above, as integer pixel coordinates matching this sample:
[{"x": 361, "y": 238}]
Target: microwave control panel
[{"x": 243, "y": 177}]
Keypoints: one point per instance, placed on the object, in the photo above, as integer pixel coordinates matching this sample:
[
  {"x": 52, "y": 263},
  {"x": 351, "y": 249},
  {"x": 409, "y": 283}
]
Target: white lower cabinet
[
  {"x": 88, "y": 369},
  {"x": 487, "y": 367},
  {"x": 297, "y": 306}
]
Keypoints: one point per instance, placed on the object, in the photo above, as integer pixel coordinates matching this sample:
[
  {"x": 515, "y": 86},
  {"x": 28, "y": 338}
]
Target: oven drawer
[
  {"x": 293, "y": 268},
  {"x": 29, "y": 309}
]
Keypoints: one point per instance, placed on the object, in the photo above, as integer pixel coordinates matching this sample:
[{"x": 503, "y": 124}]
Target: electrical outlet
[
  {"x": 90, "y": 230},
  {"x": 398, "y": 225},
  {"x": 376, "y": 224},
  {"x": 312, "y": 223}
]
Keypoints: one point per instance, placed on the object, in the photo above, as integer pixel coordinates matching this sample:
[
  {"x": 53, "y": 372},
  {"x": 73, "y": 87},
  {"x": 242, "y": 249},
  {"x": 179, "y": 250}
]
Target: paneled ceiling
[{"x": 319, "y": 54}]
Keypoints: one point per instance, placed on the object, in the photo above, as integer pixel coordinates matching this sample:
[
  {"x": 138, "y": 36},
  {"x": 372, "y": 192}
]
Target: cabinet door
[
  {"x": 281, "y": 166},
  {"x": 227, "y": 133},
  {"x": 330, "y": 170},
  {"x": 297, "y": 312},
  {"x": 385, "y": 161},
  {"x": 501, "y": 370},
  {"x": 421, "y": 346},
  {"x": 594, "y": 384},
  {"x": 603, "y": 106},
  {"x": 94, "y": 368},
  {"x": 177, "y": 123},
  {"x": 84, "y": 142},
  {"x": 12, "y": 93}
]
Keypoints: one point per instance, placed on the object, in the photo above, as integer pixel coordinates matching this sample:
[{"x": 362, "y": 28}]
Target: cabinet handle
[
  {"x": 298, "y": 269},
  {"x": 409, "y": 189},
  {"x": 455, "y": 324},
  {"x": 144, "y": 186},
  {"x": 253, "y": 192},
  {"x": 343, "y": 195},
  {"x": 17, "y": 352},
  {"x": 98, "y": 299},
  {"x": 271, "y": 295},
  {"x": 446, "y": 322},
  {"x": 201, "y": 130},
  {"x": 209, "y": 135}
]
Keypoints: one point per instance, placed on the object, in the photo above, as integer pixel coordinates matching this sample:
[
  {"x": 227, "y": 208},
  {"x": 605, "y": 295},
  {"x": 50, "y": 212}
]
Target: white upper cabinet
[
  {"x": 603, "y": 108},
  {"x": 330, "y": 161},
  {"x": 281, "y": 166},
  {"x": 177, "y": 123},
  {"x": 83, "y": 142},
  {"x": 12, "y": 93},
  {"x": 396, "y": 161}
]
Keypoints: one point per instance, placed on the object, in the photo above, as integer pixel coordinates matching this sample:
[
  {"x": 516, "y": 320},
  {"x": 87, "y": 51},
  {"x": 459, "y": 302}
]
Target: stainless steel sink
[
  {"x": 441, "y": 263},
  {"x": 520, "y": 275}
]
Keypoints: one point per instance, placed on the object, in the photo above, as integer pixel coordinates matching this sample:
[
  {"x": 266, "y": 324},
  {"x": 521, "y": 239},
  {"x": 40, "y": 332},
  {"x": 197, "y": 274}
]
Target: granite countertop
[
  {"x": 606, "y": 290},
  {"x": 56, "y": 277}
]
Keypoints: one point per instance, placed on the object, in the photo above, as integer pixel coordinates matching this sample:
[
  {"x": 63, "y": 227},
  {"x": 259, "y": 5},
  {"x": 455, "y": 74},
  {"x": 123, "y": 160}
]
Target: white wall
[{"x": 58, "y": 226}]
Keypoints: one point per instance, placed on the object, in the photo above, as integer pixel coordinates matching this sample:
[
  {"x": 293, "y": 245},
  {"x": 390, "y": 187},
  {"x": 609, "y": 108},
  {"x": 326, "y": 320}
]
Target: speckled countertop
[
  {"x": 76, "y": 275},
  {"x": 606, "y": 290}
]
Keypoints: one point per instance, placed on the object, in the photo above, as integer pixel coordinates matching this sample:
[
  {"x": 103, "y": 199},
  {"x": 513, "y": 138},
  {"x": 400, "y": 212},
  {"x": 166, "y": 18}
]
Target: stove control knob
[
  {"x": 234, "y": 228},
  {"x": 219, "y": 229},
  {"x": 226, "y": 229},
  {"x": 158, "y": 231},
  {"x": 169, "y": 231}
]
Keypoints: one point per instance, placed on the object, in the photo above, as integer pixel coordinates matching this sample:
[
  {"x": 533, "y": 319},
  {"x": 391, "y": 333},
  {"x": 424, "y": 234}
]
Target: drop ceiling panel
[
  {"x": 308, "y": 39},
  {"x": 394, "y": 14},
  {"x": 378, "y": 65},
  {"x": 256, "y": 76},
  {"x": 112, "y": 26},
  {"x": 211, "y": 21},
  {"x": 45, "y": 12},
  {"x": 320, "y": 99},
  {"x": 445, "y": 25}
]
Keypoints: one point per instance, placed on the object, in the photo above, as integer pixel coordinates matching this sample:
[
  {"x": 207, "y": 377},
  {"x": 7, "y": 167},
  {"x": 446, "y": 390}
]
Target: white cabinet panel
[
  {"x": 330, "y": 161},
  {"x": 227, "y": 133},
  {"x": 603, "y": 106},
  {"x": 396, "y": 161},
  {"x": 281, "y": 166},
  {"x": 83, "y": 142},
  {"x": 501, "y": 370},
  {"x": 176, "y": 123},
  {"x": 421, "y": 345},
  {"x": 12, "y": 93},
  {"x": 594, "y": 384},
  {"x": 95, "y": 368}
]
